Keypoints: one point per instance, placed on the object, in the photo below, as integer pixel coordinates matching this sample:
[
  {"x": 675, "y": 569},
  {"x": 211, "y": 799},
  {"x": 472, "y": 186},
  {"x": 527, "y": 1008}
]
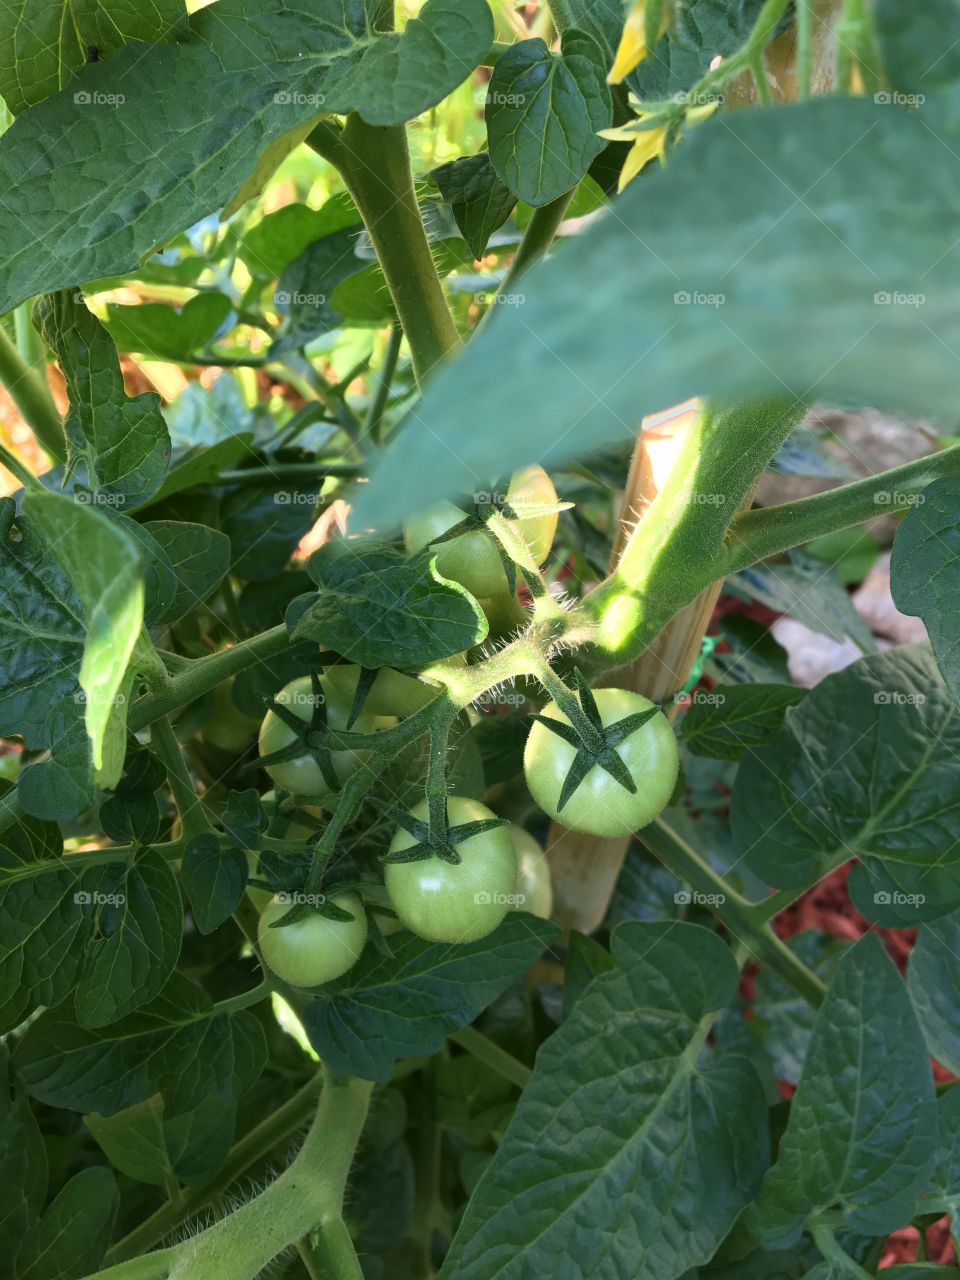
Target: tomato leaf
[
  {"x": 195, "y": 117},
  {"x": 733, "y": 718},
  {"x": 544, "y": 111},
  {"x": 925, "y": 571},
  {"x": 73, "y": 1234},
  {"x": 695, "y": 1115},
  {"x": 157, "y": 329},
  {"x": 862, "y": 1127},
  {"x": 200, "y": 560},
  {"x": 214, "y": 879},
  {"x": 852, "y": 773},
  {"x": 933, "y": 980},
  {"x": 378, "y": 608},
  {"x": 481, "y": 201},
  {"x": 399, "y": 1007}
]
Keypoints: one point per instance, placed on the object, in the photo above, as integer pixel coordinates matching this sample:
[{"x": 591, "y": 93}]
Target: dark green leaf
[
  {"x": 480, "y": 201},
  {"x": 400, "y": 1007},
  {"x": 196, "y": 117},
  {"x": 72, "y": 1236},
  {"x": 304, "y": 293},
  {"x": 133, "y": 1140},
  {"x": 199, "y": 558},
  {"x": 865, "y": 765},
  {"x": 214, "y": 879},
  {"x": 264, "y": 523},
  {"x": 585, "y": 959},
  {"x": 733, "y": 718},
  {"x": 138, "y": 919},
  {"x": 378, "y": 608},
  {"x": 933, "y": 980},
  {"x": 282, "y": 235},
  {"x": 829, "y": 174},
  {"x": 203, "y": 465},
  {"x": 23, "y": 1168},
  {"x": 925, "y": 571},
  {"x": 663, "y": 1142},
  {"x": 122, "y": 441},
  {"x": 45, "y": 41},
  {"x": 807, "y": 590},
  {"x": 919, "y": 44},
  {"x": 543, "y": 113},
  {"x": 862, "y": 1127}
]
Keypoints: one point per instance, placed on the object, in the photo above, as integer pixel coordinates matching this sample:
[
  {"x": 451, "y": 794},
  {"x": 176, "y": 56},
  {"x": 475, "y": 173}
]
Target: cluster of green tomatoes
[{"x": 501, "y": 867}]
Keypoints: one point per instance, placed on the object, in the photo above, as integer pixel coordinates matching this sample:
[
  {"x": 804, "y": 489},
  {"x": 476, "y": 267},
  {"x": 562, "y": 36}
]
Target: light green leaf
[
  {"x": 862, "y": 1126},
  {"x": 105, "y": 567},
  {"x": 200, "y": 560},
  {"x": 543, "y": 113},
  {"x": 663, "y": 1141},
  {"x": 44, "y": 41},
  {"x": 807, "y": 590},
  {"x": 122, "y": 442},
  {"x": 158, "y": 329},
  {"x": 146, "y": 144},
  {"x": 712, "y": 302},
  {"x": 864, "y": 766},
  {"x": 925, "y": 572},
  {"x": 133, "y": 1140}
]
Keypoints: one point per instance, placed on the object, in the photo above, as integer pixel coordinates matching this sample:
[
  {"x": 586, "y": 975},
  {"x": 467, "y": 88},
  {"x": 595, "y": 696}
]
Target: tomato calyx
[
  {"x": 309, "y": 738},
  {"x": 444, "y": 848},
  {"x": 594, "y": 742}
]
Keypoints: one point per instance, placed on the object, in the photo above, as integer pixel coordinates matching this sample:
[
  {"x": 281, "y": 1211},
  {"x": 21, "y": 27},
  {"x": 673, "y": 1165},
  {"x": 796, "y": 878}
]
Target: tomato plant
[{"x": 536, "y": 422}]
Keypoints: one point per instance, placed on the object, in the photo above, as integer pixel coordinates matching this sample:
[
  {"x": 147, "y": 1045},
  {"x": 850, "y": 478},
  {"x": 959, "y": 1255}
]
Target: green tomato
[
  {"x": 314, "y": 950},
  {"x": 259, "y": 897},
  {"x": 446, "y": 902},
  {"x": 534, "y": 890},
  {"x": 600, "y": 806},
  {"x": 302, "y": 776},
  {"x": 228, "y": 729},
  {"x": 473, "y": 559},
  {"x": 392, "y": 693}
]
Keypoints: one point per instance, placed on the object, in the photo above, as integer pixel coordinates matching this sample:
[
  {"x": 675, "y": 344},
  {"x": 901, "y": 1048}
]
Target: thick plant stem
[
  {"x": 742, "y": 918},
  {"x": 32, "y": 397},
  {"x": 204, "y": 674},
  {"x": 374, "y": 163},
  {"x": 766, "y": 531},
  {"x": 278, "y": 1127},
  {"x": 307, "y": 1198}
]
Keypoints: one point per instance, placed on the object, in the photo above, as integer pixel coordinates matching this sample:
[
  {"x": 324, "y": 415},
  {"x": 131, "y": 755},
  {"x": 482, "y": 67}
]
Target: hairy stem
[
  {"x": 373, "y": 426},
  {"x": 766, "y": 531},
  {"x": 374, "y": 162}
]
